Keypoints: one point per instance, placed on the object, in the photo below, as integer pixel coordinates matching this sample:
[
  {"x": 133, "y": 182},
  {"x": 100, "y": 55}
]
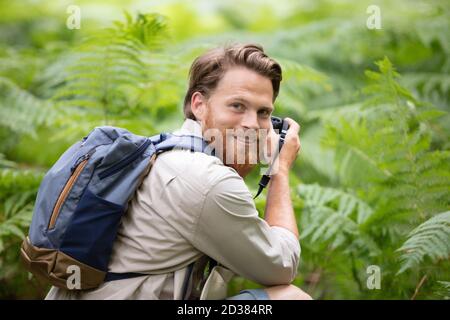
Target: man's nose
[{"x": 250, "y": 120}]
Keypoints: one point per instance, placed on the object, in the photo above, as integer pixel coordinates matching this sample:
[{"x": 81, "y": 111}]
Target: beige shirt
[{"x": 191, "y": 205}]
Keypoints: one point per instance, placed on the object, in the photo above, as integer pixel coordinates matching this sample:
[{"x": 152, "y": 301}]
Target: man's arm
[
  {"x": 230, "y": 231},
  {"x": 279, "y": 211}
]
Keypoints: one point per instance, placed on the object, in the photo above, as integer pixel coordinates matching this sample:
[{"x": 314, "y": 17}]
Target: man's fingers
[{"x": 293, "y": 125}]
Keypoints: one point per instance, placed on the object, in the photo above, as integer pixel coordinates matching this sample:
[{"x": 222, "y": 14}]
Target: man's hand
[
  {"x": 279, "y": 210},
  {"x": 290, "y": 149}
]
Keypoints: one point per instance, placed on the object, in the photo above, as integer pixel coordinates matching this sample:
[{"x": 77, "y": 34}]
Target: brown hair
[{"x": 209, "y": 68}]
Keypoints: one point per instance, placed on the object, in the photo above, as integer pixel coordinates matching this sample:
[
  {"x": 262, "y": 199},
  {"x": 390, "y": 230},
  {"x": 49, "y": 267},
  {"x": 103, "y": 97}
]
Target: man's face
[{"x": 237, "y": 116}]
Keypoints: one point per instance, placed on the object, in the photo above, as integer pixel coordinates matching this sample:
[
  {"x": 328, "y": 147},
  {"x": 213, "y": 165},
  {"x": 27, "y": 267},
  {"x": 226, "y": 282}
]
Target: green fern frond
[
  {"x": 432, "y": 30},
  {"x": 385, "y": 87},
  {"x": 15, "y": 216},
  {"x": 346, "y": 204},
  {"x": 5, "y": 163},
  {"x": 300, "y": 82},
  {"x": 443, "y": 289},
  {"x": 18, "y": 188},
  {"x": 14, "y": 180},
  {"x": 431, "y": 86},
  {"x": 385, "y": 152},
  {"x": 109, "y": 64},
  {"x": 148, "y": 29},
  {"x": 20, "y": 111},
  {"x": 431, "y": 238},
  {"x": 334, "y": 216},
  {"x": 320, "y": 159}
]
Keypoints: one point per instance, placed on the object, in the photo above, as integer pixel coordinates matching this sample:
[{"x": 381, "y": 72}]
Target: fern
[
  {"x": 385, "y": 166},
  {"x": 431, "y": 86},
  {"x": 18, "y": 188},
  {"x": 299, "y": 84},
  {"x": 319, "y": 161},
  {"x": 334, "y": 216},
  {"x": 431, "y": 238},
  {"x": 20, "y": 111},
  {"x": 5, "y": 163},
  {"x": 385, "y": 151},
  {"x": 16, "y": 216},
  {"x": 443, "y": 290},
  {"x": 385, "y": 158},
  {"x": 109, "y": 66},
  {"x": 14, "y": 180}
]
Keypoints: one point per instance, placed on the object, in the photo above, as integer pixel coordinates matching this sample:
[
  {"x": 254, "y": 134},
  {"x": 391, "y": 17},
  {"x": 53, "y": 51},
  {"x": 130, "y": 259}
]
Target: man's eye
[
  {"x": 237, "y": 106},
  {"x": 264, "y": 113}
]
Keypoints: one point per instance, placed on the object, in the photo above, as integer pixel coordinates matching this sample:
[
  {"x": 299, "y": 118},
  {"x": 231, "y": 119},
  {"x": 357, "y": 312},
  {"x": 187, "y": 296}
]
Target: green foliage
[
  {"x": 17, "y": 193},
  {"x": 108, "y": 74},
  {"x": 390, "y": 141},
  {"x": 20, "y": 113},
  {"x": 393, "y": 177},
  {"x": 334, "y": 216},
  {"x": 443, "y": 289},
  {"x": 299, "y": 83},
  {"x": 372, "y": 183},
  {"x": 431, "y": 238},
  {"x": 16, "y": 215},
  {"x": 18, "y": 189}
]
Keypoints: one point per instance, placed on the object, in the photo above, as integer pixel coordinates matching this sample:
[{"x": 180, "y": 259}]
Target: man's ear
[{"x": 198, "y": 105}]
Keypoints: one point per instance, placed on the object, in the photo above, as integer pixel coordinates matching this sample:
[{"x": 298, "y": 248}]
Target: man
[{"x": 192, "y": 205}]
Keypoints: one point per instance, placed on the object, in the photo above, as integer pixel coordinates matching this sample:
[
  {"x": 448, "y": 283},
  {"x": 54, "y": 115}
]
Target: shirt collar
[
  {"x": 193, "y": 128},
  {"x": 190, "y": 127}
]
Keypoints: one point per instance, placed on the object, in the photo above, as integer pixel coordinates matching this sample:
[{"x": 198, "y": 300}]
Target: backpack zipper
[
  {"x": 76, "y": 171},
  {"x": 125, "y": 161}
]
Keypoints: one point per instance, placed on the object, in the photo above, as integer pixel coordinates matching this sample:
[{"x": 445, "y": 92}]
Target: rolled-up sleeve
[{"x": 230, "y": 231}]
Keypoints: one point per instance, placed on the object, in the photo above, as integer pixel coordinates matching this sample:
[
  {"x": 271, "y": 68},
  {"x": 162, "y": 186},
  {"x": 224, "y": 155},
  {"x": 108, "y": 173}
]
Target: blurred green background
[{"x": 371, "y": 186}]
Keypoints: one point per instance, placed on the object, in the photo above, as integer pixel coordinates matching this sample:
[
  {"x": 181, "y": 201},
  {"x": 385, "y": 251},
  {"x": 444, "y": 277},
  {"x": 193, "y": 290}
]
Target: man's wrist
[{"x": 282, "y": 171}]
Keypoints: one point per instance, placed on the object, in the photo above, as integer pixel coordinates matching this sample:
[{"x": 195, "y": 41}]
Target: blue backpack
[{"x": 82, "y": 198}]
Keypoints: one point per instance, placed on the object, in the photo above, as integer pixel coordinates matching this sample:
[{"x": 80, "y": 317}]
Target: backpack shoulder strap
[{"x": 167, "y": 141}]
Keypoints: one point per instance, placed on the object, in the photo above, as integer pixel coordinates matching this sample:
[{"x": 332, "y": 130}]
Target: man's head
[{"x": 231, "y": 92}]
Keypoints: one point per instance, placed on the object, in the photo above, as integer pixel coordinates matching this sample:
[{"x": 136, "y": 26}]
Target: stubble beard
[{"x": 243, "y": 157}]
